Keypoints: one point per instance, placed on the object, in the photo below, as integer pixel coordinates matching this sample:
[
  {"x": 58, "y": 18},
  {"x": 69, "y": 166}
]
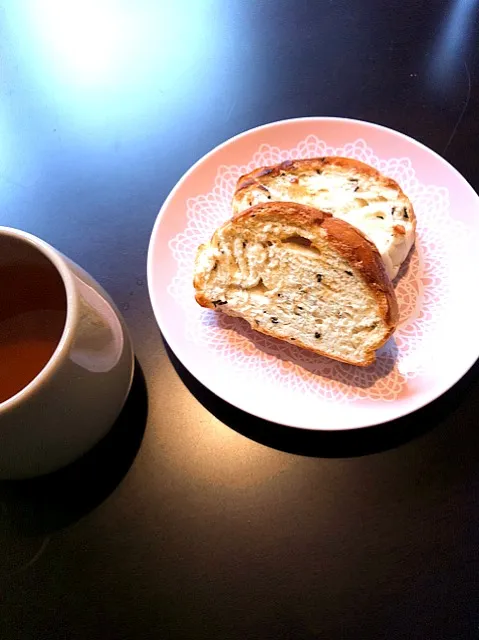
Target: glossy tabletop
[{"x": 193, "y": 519}]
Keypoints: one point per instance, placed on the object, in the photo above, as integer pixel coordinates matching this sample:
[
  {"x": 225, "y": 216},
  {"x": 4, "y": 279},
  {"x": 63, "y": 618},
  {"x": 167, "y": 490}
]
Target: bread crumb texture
[{"x": 296, "y": 274}]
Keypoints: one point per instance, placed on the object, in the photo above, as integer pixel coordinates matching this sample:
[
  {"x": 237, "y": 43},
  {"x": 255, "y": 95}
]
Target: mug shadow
[
  {"x": 48, "y": 503},
  {"x": 317, "y": 365},
  {"x": 328, "y": 444}
]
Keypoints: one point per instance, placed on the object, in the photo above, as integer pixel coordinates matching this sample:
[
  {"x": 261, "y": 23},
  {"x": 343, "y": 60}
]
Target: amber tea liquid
[{"x": 32, "y": 319}]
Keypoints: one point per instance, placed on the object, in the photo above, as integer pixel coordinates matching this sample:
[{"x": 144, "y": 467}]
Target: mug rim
[{"x": 59, "y": 263}]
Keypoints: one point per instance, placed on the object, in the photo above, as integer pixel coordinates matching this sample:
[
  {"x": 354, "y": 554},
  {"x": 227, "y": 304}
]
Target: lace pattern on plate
[{"x": 422, "y": 290}]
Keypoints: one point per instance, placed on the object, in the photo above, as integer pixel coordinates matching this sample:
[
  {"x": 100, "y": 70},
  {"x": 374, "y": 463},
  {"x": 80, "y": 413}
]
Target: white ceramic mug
[{"x": 75, "y": 399}]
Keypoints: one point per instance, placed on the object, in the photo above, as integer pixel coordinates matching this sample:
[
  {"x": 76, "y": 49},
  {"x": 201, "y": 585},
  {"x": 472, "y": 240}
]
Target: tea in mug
[{"x": 32, "y": 319}]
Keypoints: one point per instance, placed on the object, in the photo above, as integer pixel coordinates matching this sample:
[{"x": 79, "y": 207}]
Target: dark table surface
[{"x": 192, "y": 519}]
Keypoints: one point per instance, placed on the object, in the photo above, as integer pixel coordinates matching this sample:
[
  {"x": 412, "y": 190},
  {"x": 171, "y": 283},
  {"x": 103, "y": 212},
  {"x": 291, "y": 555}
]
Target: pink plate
[{"x": 437, "y": 340}]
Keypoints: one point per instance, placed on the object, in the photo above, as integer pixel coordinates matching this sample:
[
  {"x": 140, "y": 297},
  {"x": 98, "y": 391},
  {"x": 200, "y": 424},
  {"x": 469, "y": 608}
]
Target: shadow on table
[
  {"x": 328, "y": 444},
  {"x": 51, "y": 502}
]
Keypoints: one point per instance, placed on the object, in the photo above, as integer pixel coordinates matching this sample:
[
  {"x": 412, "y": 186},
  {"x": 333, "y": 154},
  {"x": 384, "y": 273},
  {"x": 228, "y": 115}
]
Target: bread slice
[
  {"x": 346, "y": 188},
  {"x": 300, "y": 275}
]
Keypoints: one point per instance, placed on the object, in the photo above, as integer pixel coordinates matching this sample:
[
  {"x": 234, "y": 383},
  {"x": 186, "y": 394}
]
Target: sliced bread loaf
[
  {"x": 346, "y": 188},
  {"x": 298, "y": 274}
]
